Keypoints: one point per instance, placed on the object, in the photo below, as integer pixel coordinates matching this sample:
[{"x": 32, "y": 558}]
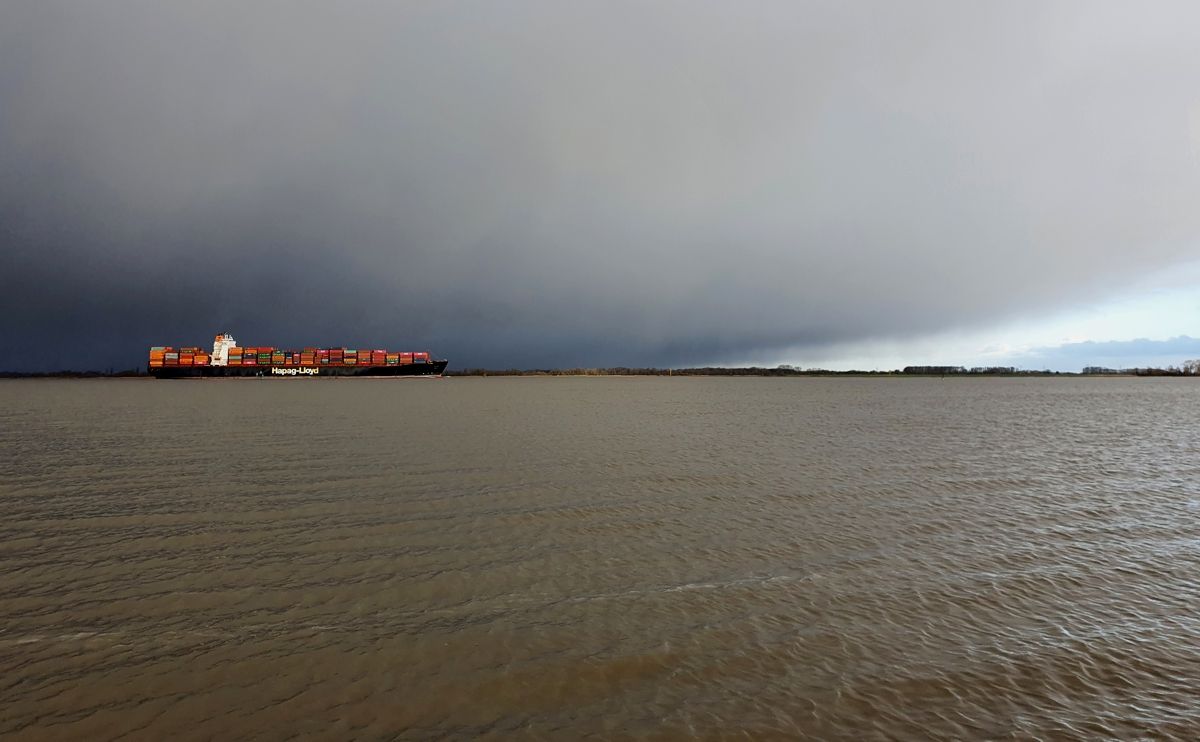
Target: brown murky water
[{"x": 607, "y": 558}]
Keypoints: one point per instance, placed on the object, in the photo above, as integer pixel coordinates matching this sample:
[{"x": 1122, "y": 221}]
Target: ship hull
[{"x": 433, "y": 368}]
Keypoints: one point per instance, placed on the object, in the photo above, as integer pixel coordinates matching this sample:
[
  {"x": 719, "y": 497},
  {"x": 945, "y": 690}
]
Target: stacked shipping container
[{"x": 161, "y": 355}]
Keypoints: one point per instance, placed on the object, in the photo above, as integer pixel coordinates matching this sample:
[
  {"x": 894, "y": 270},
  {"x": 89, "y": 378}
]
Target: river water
[{"x": 608, "y": 558}]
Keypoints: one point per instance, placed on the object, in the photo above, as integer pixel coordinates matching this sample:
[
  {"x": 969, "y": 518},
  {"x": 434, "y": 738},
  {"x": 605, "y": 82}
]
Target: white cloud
[{"x": 1136, "y": 327}]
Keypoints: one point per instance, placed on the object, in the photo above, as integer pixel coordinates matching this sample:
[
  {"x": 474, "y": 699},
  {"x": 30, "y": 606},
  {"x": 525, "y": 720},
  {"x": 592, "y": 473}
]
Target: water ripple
[{"x": 609, "y": 558}]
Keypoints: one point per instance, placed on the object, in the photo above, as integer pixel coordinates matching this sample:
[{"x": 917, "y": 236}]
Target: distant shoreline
[
  {"x": 745, "y": 372},
  {"x": 818, "y": 373}
]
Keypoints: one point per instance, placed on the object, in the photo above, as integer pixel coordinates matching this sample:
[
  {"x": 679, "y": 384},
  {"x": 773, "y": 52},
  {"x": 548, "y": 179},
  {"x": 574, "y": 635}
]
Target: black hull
[{"x": 433, "y": 368}]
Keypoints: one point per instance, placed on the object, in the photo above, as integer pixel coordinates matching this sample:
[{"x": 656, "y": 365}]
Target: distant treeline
[
  {"x": 131, "y": 373},
  {"x": 754, "y": 371},
  {"x": 1188, "y": 369},
  {"x": 1168, "y": 371}
]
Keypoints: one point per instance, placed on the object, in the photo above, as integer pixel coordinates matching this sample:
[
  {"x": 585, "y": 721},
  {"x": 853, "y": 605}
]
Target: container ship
[{"x": 228, "y": 359}]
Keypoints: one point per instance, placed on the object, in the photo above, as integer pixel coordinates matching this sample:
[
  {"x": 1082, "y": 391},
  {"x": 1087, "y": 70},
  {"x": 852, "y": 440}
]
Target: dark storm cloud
[{"x": 549, "y": 183}]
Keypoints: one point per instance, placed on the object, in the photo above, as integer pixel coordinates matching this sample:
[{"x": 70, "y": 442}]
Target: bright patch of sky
[{"x": 1152, "y": 326}]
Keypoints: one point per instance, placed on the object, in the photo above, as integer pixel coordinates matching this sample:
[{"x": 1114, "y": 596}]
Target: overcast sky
[{"x": 596, "y": 183}]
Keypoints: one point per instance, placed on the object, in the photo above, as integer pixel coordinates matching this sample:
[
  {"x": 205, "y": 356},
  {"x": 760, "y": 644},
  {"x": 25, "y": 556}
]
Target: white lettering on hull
[{"x": 295, "y": 371}]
